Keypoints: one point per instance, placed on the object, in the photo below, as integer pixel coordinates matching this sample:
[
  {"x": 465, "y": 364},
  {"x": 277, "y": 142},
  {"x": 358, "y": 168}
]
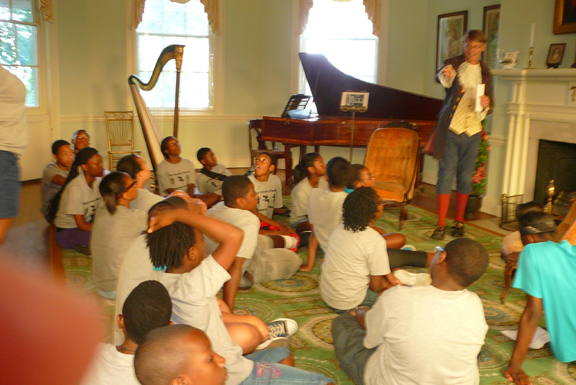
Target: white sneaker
[
  {"x": 280, "y": 329},
  {"x": 413, "y": 279},
  {"x": 278, "y": 342},
  {"x": 408, "y": 247}
]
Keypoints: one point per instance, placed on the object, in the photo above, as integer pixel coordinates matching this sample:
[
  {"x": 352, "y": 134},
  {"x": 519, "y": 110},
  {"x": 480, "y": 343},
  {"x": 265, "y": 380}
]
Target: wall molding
[{"x": 183, "y": 118}]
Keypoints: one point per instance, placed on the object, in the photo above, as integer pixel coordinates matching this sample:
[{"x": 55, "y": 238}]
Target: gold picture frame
[
  {"x": 449, "y": 34},
  {"x": 564, "y": 17}
]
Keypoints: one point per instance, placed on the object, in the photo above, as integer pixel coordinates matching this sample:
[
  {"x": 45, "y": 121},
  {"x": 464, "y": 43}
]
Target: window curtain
[
  {"x": 210, "y": 7},
  {"x": 373, "y": 9},
  {"x": 47, "y": 10}
]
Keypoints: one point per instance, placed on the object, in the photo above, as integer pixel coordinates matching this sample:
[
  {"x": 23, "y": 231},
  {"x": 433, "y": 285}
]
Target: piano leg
[{"x": 288, "y": 163}]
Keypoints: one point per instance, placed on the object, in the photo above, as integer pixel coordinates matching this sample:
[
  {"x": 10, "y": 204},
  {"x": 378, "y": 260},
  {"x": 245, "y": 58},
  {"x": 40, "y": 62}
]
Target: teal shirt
[{"x": 547, "y": 270}]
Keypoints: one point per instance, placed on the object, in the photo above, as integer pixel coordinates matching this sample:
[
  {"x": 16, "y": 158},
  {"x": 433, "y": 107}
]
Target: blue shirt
[{"x": 547, "y": 270}]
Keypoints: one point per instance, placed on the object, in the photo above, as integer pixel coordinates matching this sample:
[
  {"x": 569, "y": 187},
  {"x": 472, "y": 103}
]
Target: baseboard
[{"x": 491, "y": 206}]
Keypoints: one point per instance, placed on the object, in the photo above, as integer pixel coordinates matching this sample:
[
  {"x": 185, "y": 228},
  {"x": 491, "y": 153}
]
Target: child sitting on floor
[
  {"x": 178, "y": 173},
  {"x": 512, "y": 243},
  {"x": 356, "y": 267},
  {"x": 72, "y": 209},
  {"x": 116, "y": 226},
  {"x": 212, "y": 174},
  {"x": 360, "y": 176},
  {"x": 269, "y": 189},
  {"x": 80, "y": 140},
  {"x": 193, "y": 280},
  {"x": 310, "y": 173},
  {"x": 240, "y": 200},
  {"x": 136, "y": 167},
  {"x": 157, "y": 359},
  {"x": 55, "y": 173},
  {"x": 147, "y": 307},
  {"x": 420, "y": 334},
  {"x": 325, "y": 208}
]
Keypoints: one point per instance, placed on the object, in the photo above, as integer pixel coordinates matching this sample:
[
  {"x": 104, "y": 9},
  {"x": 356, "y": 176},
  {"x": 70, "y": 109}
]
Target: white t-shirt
[
  {"x": 300, "y": 195},
  {"x": 350, "y": 260},
  {"x": 424, "y": 336},
  {"x": 206, "y": 184},
  {"x": 135, "y": 269},
  {"x": 14, "y": 135},
  {"x": 194, "y": 303},
  {"x": 145, "y": 200},
  {"x": 77, "y": 199},
  {"x": 111, "y": 368},
  {"x": 269, "y": 194},
  {"x": 50, "y": 189},
  {"x": 325, "y": 213},
  {"x": 244, "y": 220},
  {"x": 111, "y": 238},
  {"x": 175, "y": 175}
]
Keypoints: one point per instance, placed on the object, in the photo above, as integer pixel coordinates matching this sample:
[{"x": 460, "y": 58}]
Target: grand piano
[{"x": 332, "y": 127}]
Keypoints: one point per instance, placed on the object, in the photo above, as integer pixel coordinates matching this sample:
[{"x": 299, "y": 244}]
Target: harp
[{"x": 152, "y": 133}]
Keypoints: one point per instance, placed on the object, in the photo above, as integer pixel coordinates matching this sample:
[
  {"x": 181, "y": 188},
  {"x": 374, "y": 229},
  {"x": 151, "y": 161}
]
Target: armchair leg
[{"x": 403, "y": 215}]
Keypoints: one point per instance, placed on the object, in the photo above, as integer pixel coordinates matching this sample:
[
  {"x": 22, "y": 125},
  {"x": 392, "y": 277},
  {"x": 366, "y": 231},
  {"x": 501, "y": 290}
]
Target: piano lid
[{"x": 328, "y": 82}]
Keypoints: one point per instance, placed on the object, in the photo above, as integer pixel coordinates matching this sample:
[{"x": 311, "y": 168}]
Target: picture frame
[
  {"x": 491, "y": 27},
  {"x": 449, "y": 34},
  {"x": 555, "y": 55},
  {"x": 564, "y": 17},
  {"x": 356, "y": 101}
]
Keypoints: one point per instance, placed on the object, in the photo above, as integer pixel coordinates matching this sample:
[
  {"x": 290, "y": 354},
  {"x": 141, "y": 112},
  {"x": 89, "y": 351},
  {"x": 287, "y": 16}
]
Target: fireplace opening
[{"x": 556, "y": 160}]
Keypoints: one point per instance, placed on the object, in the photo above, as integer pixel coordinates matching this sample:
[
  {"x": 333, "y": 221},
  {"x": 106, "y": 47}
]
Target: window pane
[
  {"x": 22, "y": 10},
  {"x": 7, "y": 44},
  {"x": 196, "y": 19},
  {"x": 28, "y": 76},
  {"x": 196, "y": 55},
  {"x": 27, "y": 44},
  {"x": 5, "y": 10},
  {"x": 149, "y": 48}
]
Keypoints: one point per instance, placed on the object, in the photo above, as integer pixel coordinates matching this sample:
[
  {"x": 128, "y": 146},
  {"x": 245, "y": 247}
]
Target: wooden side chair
[
  {"x": 120, "y": 134},
  {"x": 256, "y": 126},
  {"x": 393, "y": 156}
]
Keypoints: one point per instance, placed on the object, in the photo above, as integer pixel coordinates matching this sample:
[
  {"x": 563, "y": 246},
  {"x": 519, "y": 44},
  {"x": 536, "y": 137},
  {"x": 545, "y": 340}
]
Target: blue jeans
[
  {"x": 459, "y": 161},
  {"x": 267, "y": 370},
  {"x": 368, "y": 301},
  {"x": 9, "y": 185}
]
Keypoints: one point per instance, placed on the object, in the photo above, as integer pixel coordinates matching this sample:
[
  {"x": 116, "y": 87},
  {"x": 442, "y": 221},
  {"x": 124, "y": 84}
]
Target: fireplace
[{"x": 557, "y": 161}]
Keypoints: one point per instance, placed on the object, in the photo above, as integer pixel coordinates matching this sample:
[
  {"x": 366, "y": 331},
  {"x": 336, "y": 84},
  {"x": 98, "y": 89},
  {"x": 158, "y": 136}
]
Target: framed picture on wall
[
  {"x": 555, "y": 55},
  {"x": 451, "y": 30},
  {"x": 564, "y": 17},
  {"x": 491, "y": 27}
]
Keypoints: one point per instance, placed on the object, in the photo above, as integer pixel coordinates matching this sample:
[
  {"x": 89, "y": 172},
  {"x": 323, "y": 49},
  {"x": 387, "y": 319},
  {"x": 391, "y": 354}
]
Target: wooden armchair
[
  {"x": 392, "y": 156},
  {"x": 120, "y": 133},
  {"x": 286, "y": 154}
]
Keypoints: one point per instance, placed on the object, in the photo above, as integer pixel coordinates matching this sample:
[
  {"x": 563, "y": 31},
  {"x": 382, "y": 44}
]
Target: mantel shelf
[{"x": 541, "y": 74}]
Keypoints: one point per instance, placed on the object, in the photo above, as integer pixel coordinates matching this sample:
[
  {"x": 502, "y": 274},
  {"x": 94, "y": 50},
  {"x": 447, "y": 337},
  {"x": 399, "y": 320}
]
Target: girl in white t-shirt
[
  {"x": 72, "y": 209},
  {"x": 116, "y": 226},
  {"x": 308, "y": 174}
]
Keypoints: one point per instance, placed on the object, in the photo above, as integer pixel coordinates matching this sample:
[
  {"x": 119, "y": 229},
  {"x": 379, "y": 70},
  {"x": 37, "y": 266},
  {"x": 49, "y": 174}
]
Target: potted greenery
[{"x": 480, "y": 176}]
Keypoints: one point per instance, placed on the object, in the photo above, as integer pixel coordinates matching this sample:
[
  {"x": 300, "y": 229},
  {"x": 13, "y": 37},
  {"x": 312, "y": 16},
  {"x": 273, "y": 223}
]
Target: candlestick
[
  {"x": 530, "y": 59},
  {"x": 532, "y": 32}
]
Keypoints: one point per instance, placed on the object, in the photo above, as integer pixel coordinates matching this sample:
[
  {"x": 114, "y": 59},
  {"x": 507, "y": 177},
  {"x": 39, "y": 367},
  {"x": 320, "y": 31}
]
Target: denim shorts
[
  {"x": 368, "y": 301},
  {"x": 9, "y": 185},
  {"x": 274, "y": 355},
  {"x": 278, "y": 374}
]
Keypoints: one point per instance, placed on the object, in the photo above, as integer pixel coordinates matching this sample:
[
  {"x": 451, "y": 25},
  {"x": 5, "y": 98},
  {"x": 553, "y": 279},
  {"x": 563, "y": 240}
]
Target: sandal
[{"x": 439, "y": 233}]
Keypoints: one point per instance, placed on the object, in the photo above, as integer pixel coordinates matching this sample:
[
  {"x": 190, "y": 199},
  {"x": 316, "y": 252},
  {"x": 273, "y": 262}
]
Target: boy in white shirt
[
  {"x": 325, "y": 208},
  {"x": 421, "y": 334},
  {"x": 193, "y": 280},
  {"x": 212, "y": 174},
  {"x": 147, "y": 307}
]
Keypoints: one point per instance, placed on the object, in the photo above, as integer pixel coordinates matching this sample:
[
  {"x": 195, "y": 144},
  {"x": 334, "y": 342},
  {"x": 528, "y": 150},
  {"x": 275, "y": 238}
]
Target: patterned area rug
[{"x": 299, "y": 298}]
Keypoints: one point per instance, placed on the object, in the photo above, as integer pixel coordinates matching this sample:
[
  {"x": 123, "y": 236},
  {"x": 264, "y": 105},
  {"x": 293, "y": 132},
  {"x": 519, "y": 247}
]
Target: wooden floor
[{"x": 27, "y": 239}]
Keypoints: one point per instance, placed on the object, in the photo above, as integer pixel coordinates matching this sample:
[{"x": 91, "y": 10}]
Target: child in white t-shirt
[
  {"x": 116, "y": 226},
  {"x": 55, "y": 174},
  {"x": 193, "y": 280},
  {"x": 148, "y": 307},
  {"x": 325, "y": 208},
  {"x": 356, "y": 267},
  {"x": 72, "y": 209},
  {"x": 212, "y": 174},
  {"x": 178, "y": 173},
  {"x": 308, "y": 174},
  {"x": 420, "y": 334}
]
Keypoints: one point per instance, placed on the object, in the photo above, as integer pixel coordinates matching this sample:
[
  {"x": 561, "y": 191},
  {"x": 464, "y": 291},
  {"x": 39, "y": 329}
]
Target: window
[
  {"x": 19, "y": 44},
  {"x": 165, "y": 23},
  {"x": 343, "y": 33}
]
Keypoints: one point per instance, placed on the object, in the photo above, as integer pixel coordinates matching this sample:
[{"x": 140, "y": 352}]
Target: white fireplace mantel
[{"x": 543, "y": 106}]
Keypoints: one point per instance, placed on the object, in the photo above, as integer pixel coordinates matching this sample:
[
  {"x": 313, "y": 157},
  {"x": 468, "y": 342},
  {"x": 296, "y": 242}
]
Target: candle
[{"x": 532, "y": 30}]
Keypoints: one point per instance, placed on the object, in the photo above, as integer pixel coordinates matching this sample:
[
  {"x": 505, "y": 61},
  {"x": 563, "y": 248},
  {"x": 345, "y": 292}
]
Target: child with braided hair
[{"x": 72, "y": 209}]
